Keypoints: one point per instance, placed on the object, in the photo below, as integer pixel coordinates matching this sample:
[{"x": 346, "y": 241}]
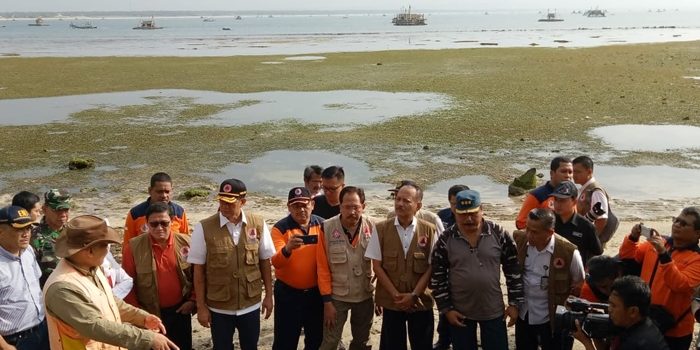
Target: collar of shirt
[
  {"x": 167, "y": 245},
  {"x": 9, "y": 255},
  {"x": 548, "y": 248},
  {"x": 352, "y": 235},
  {"x": 412, "y": 225},
  {"x": 223, "y": 220},
  {"x": 90, "y": 272},
  {"x": 573, "y": 221},
  {"x": 590, "y": 181}
]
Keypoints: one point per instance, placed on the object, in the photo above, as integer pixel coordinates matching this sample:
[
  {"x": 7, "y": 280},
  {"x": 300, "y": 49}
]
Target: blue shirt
[
  {"x": 447, "y": 217},
  {"x": 20, "y": 293}
]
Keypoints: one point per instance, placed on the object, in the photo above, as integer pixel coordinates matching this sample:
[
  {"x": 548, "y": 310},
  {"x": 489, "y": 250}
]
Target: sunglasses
[{"x": 155, "y": 224}]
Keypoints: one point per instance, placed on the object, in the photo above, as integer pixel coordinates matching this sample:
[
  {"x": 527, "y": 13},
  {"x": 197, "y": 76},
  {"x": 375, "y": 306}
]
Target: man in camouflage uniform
[{"x": 57, "y": 205}]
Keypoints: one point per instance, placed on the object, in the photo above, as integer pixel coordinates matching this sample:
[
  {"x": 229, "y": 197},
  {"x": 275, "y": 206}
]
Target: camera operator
[
  {"x": 671, "y": 267},
  {"x": 629, "y": 310},
  {"x": 602, "y": 270}
]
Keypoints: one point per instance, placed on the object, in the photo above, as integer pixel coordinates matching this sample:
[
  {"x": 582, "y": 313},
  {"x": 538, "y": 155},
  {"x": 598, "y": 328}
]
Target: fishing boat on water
[
  {"x": 148, "y": 25},
  {"x": 551, "y": 17},
  {"x": 38, "y": 22},
  {"x": 406, "y": 18},
  {"x": 84, "y": 25},
  {"x": 595, "y": 13}
]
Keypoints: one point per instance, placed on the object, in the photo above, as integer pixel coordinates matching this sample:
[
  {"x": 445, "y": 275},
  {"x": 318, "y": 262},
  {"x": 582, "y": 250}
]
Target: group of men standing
[{"x": 326, "y": 255}]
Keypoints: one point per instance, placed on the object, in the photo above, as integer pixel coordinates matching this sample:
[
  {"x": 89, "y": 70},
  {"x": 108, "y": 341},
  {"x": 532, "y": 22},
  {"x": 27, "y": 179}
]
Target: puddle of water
[
  {"x": 652, "y": 138},
  {"x": 272, "y": 62},
  {"x": 649, "y": 183},
  {"x": 694, "y": 78},
  {"x": 305, "y": 58},
  {"x": 490, "y": 191},
  {"x": 311, "y": 107},
  {"x": 277, "y": 171}
]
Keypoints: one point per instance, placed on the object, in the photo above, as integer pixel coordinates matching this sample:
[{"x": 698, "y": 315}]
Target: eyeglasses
[
  {"x": 155, "y": 224},
  {"x": 680, "y": 222},
  {"x": 332, "y": 189}
]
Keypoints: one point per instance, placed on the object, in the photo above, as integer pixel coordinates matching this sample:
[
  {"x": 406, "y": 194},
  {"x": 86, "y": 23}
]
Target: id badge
[{"x": 544, "y": 282}]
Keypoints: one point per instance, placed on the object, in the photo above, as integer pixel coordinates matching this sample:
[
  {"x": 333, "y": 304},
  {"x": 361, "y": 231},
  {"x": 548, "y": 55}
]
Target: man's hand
[
  {"x": 267, "y": 305},
  {"x": 455, "y": 318},
  {"x": 658, "y": 242},
  {"x": 204, "y": 316},
  {"x": 580, "y": 336},
  {"x": 154, "y": 323},
  {"x": 636, "y": 231},
  {"x": 160, "y": 342},
  {"x": 294, "y": 243},
  {"x": 511, "y": 314},
  {"x": 329, "y": 314},
  {"x": 404, "y": 301},
  {"x": 186, "y": 308}
]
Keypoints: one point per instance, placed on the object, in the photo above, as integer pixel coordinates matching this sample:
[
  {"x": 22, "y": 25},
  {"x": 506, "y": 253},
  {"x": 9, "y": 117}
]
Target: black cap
[
  {"x": 15, "y": 216},
  {"x": 298, "y": 194},
  {"x": 231, "y": 190}
]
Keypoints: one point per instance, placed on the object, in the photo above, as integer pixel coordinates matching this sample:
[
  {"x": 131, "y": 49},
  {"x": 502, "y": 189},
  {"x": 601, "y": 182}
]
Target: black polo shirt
[
  {"x": 581, "y": 233},
  {"x": 323, "y": 209}
]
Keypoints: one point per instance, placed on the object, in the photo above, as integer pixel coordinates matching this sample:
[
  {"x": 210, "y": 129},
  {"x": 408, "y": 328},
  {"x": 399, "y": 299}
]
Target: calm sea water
[{"x": 288, "y": 34}]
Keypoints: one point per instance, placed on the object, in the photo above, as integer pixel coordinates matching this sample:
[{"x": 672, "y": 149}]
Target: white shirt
[
  {"x": 198, "y": 250},
  {"x": 374, "y": 249},
  {"x": 120, "y": 281},
  {"x": 596, "y": 197},
  {"x": 536, "y": 304}
]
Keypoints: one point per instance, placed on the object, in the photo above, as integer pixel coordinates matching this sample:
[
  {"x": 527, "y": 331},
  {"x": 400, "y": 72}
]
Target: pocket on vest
[
  {"x": 218, "y": 288},
  {"x": 254, "y": 285},
  {"x": 561, "y": 283},
  {"x": 420, "y": 262},
  {"x": 339, "y": 284},
  {"x": 390, "y": 260},
  {"x": 339, "y": 257},
  {"x": 219, "y": 259},
  {"x": 144, "y": 283},
  {"x": 251, "y": 254}
]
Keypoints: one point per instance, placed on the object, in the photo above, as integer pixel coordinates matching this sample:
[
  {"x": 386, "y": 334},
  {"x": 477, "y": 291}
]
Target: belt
[
  {"x": 301, "y": 291},
  {"x": 15, "y": 337}
]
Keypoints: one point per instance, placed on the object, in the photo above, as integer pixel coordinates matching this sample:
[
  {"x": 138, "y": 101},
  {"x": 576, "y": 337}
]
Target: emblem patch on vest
[
  {"x": 252, "y": 234},
  {"x": 423, "y": 241},
  {"x": 184, "y": 251},
  {"x": 559, "y": 263},
  {"x": 336, "y": 234},
  {"x": 368, "y": 232}
]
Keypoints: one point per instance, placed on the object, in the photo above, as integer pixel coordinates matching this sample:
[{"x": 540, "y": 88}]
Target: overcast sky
[{"x": 272, "y": 5}]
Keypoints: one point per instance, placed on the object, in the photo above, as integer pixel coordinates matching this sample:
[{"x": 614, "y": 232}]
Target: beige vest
[
  {"x": 146, "y": 281},
  {"x": 404, "y": 270},
  {"x": 559, "y": 267},
  {"x": 233, "y": 278},
  {"x": 351, "y": 272},
  {"x": 61, "y": 335}
]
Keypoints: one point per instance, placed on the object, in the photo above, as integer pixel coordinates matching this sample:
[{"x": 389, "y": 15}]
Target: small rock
[
  {"x": 556, "y": 151},
  {"x": 522, "y": 139},
  {"x": 379, "y": 63},
  {"x": 686, "y": 118},
  {"x": 540, "y": 175},
  {"x": 80, "y": 163},
  {"x": 425, "y": 148}
]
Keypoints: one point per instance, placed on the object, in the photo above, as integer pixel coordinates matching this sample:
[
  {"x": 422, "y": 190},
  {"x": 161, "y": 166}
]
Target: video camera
[{"x": 593, "y": 318}]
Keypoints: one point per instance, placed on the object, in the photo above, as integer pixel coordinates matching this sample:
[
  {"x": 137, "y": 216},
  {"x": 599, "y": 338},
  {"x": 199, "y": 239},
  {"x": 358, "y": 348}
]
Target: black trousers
[
  {"x": 529, "y": 337},
  {"x": 224, "y": 326},
  {"x": 296, "y": 309},
  {"x": 178, "y": 327},
  {"x": 420, "y": 330},
  {"x": 443, "y": 330}
]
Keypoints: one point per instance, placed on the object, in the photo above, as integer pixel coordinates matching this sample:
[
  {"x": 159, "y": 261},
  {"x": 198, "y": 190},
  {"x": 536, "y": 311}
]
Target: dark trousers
[
  {"x": 420, "y": 330},
  {"x": 223, "y": 326},
  {"x": 36, "y": 338},
  {"x": 443, "y": 330},
  {"x": 529, "y": 337},
  {"x": 178, "y": 327},
  {"x": 679, "y": 343},
  {"x": 296, "y": 309},
  {"x": 493, "y": 335}
]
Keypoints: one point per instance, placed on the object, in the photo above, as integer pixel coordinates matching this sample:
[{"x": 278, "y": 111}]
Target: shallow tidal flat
[{"x": 504, "y": 110}]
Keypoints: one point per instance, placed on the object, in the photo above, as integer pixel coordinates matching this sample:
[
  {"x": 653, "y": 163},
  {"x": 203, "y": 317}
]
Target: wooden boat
[
  {"x": 85, "y": 25},
  {"x": 38, "y": 22},
  {"x": 148, "y": 25},
  {"x": 551, "y": 17}
]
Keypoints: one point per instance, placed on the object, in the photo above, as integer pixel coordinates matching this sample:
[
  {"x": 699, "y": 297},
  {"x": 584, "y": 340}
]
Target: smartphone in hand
[{"x": 309, "y": 239}]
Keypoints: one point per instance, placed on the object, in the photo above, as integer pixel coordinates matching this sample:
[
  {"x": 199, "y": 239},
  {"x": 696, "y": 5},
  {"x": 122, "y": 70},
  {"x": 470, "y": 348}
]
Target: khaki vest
[
  {"x": 404, "y": 270},
  {"x": 233, "y": 278},
  {"x": 559, "y": 276},
  {"x": 584, "y": 206},
  {"x": 351, "y": 272},
  {"x": 146, "y": 281},
  {"x": 61, "y": 335}
]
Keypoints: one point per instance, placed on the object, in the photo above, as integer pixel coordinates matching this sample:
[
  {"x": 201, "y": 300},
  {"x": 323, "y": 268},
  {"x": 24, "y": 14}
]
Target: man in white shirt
[{"x": 593, "y": 202}]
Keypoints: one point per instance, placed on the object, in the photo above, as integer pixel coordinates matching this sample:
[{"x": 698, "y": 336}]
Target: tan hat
[{"x": 82, "y": 232}]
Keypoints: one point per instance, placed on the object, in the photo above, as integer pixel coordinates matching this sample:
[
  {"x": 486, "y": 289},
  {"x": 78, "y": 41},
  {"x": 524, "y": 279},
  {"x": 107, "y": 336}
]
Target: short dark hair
[
  {"x": 409, "y": 183},
  {"x": 556, "y": 162},
  {"x": 634, "y": 292},
  {"x": 543, "y": 215},
  {"x": 602, "y": 267},
  {"x": 157, "y": 208},
  {"x": 452, "y": 192},
  {"x": 312, "y": 170},
  {"x": 584, "y": 161},
  {"x": 333, "y": 171},
  {"x": 352, "y": 189},
  {"x": 26, "y": 200},
  {"x": 160, "y": 177},
  {"x": 694, "y": 212}
]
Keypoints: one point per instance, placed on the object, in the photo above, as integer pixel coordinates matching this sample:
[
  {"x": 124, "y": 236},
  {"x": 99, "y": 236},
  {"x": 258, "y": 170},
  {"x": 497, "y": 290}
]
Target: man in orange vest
[{"x": 81, "y": 311}]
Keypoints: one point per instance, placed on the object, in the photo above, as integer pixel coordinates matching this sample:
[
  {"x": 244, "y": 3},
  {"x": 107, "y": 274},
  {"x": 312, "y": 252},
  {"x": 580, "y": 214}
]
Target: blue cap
[
  {"x": 468, "y": 201},
  {"x": 565, "y": 189},
  {"x": 15, "y": 216}
]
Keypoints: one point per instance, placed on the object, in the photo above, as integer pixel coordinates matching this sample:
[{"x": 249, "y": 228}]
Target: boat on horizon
[
  {"x": 148, "y": 25},
  {"x": 551, "y": 17},
  {"x": 84, "y": 25},
  {"x": 38, "y": 22},
  {"x": 406, "y": 18},
  {"x": 595, "y": 13}
]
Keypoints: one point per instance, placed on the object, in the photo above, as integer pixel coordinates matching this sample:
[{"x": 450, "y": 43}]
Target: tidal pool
[
  {"x": 651, "y": 138},
  {"x": 324, "y": 107},
  {"x": 650, "y": 183}
]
